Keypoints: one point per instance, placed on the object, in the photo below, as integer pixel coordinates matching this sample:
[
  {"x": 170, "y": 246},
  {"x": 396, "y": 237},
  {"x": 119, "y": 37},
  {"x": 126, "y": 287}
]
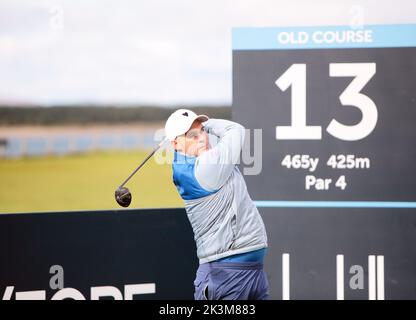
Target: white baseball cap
[{"x": 180, "y": 121}]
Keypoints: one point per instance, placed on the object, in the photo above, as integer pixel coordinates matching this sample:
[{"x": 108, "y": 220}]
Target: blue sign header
[{"x": 367, "y": 36}]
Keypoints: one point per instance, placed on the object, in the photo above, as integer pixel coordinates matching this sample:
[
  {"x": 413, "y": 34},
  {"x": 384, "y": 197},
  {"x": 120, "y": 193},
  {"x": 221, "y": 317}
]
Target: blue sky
[{"x": 156, "y": 52}]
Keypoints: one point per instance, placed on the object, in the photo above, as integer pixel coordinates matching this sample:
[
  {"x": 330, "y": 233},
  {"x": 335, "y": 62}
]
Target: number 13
[{"x": 295, "y": 76}]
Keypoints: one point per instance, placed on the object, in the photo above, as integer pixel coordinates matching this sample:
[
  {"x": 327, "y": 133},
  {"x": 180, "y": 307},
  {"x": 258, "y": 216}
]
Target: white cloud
[{"x": 163, "y": 52}]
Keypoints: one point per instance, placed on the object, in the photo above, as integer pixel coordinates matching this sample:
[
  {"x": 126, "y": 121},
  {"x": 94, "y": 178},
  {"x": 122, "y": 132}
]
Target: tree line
[{"x": 62, "y": 115}]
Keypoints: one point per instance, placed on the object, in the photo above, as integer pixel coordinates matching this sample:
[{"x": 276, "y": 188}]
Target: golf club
[{"x": 122, "y": 194}]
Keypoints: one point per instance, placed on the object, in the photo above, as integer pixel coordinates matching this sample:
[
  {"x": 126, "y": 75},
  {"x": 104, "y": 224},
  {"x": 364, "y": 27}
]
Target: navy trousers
[{"x": 231, "y": 281}]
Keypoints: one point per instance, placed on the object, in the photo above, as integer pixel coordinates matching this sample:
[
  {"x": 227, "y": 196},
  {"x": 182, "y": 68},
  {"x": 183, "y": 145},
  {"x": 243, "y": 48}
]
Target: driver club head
[{"x": 123, "y": 197}]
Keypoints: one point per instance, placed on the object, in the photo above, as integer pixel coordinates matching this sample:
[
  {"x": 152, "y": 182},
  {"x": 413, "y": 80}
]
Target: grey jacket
[{"x": 223, "y": 217}]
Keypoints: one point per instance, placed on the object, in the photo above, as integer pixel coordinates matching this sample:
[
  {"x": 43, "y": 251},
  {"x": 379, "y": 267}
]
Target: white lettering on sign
[{"x": 350, "y": 36}]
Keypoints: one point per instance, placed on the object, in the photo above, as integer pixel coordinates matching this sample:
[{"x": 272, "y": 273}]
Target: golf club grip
[{"x": 144, "y": 161}]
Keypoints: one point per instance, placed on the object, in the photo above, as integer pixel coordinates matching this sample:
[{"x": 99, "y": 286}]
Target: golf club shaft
[{"x": 144, "y": 161}]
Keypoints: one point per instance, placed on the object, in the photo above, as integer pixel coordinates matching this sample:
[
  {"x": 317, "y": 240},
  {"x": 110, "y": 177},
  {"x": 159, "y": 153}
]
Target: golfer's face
[{"x": 195, "y": 141}]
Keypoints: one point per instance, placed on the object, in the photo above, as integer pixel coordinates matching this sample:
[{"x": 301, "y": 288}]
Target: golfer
[{"x": 229, "y": 232}]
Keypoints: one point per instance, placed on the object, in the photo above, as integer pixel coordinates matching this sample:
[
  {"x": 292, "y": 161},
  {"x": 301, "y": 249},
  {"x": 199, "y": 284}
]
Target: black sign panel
[
  {"x": 336, "y": 109},
  {"x": 379, "y": 166},
  {"x": 313, "y": 238},
  {"x": 141, "y": 254},
  {"x": 150, "y": 254}
]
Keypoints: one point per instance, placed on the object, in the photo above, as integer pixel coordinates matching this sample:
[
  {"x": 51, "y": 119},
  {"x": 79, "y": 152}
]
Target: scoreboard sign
[{"x": 337, "y": 111}]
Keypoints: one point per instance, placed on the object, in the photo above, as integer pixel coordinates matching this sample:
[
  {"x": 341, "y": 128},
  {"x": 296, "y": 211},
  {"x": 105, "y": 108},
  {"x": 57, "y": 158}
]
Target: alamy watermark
[
  {"x": 357, "y": 17},
  {"x": 248, "y": 153},
  {"x": 56, "y": 18}
]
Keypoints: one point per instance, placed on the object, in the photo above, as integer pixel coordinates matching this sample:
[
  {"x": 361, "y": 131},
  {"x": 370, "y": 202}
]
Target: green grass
[{"x": 84, "y": 182}]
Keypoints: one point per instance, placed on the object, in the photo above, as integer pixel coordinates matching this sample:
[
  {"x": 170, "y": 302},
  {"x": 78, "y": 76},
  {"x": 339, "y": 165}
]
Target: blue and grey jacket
[{"x": 223, "y": 217}]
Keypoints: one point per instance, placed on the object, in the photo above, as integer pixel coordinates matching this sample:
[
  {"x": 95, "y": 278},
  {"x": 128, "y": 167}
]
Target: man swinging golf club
[{"x": 229, "y": 232}]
